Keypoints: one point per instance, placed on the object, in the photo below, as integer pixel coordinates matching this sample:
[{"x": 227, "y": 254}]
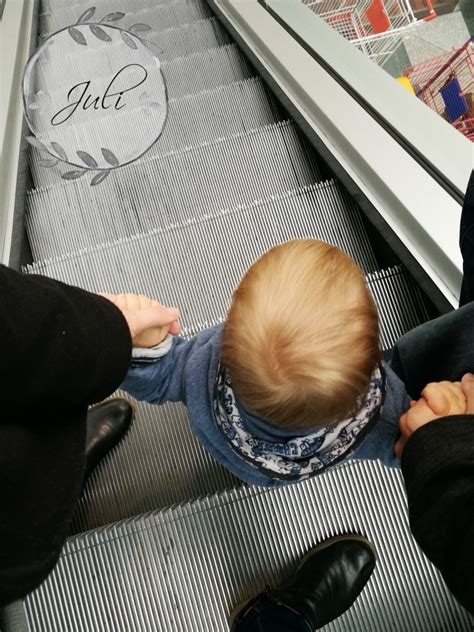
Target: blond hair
[{"x": 301, "y": 338}]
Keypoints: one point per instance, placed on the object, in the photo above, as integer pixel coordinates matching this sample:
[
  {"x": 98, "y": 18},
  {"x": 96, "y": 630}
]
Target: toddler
[{"x": 293, "y": 381}]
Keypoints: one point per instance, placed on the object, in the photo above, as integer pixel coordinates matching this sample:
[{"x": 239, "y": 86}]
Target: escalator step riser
[
  {"x": 168, "y": 265},
  {"x": 195, "y": 73},
  {"x": 185, "y": 569},
  {"x": 104, "y": 6},
  {"x": 160, "y": 17},
  {"x": 243, "y": 169},
  {"x": 57, "y": 15},
  {"x": 193, "y": 120},
  {"x": 178, "y": 41},
  {"x": 206, "y": 70}
]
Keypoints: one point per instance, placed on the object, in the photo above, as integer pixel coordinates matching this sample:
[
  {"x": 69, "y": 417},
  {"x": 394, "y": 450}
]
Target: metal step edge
[
  {"x": 161, "y": 446},
  {"x": 301, "y": 213},
  {"x": 180, "y": 74},
  {"x": 78, "y": 8},
  {"x": 179, "y": 152},
  {"x": 33, "y": 268},
  {"x": 184, "y": 570},
  {"x": 237, "y": 108},
  {"x": 161, "y": 12},
  {"x": 169, "y": 36},
  {"x": 266, "y": 161}
]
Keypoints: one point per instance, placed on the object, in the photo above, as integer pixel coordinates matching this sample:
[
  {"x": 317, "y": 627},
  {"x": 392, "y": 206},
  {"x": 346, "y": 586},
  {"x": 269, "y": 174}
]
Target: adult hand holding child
[
  {"x": 148, "y": 320},
  {"x": 438, "y": 399}
]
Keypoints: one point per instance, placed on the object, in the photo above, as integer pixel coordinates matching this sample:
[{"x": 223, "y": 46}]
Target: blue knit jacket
[{"x": 187, "y": 373}]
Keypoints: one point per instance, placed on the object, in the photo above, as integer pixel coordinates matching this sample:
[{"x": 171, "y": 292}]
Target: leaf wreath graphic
[
  {"x": 48, "y": 162},
  {"x": 59, "y": 150},
  {"x": 128, "y": 40},
  {"x": 87, "y": 159},
  {"x": 100, "y": 33},
  {"x": 110, "y": 157},
  {"x": 86, "y": 16},
  {"x": 99, "y": 177},
  {"x": 77, "y": 36},
  {"x": 113, "y": 17},
  {"x": 129, "y": 37},
  {"x": 73, "y": 175}
]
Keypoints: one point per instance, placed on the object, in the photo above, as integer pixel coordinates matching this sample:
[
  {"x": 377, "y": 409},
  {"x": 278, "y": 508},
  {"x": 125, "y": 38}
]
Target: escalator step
[
  {"x": 186, "y": 568},
  {"x": 167, "y": 264},
  {"x": 176, "y": 41},
  {"x": 148, "y": 194},
  {"x": 194, "y": 73},
  {"x": 57, "y": 15},
  {"x": 195, "y": 119},
  {"x": 160, "y": 16}
]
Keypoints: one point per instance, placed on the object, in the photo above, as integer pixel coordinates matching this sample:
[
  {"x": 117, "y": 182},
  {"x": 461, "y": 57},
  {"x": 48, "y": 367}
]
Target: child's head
[{"x": 301, "y": 338}]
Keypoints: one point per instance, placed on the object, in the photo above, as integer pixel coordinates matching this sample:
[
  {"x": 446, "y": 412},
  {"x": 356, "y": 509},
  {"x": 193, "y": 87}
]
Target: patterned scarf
[{"x": 298, "y": 457}]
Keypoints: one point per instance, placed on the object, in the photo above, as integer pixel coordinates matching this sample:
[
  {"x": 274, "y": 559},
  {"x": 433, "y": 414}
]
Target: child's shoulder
[{"x": 210, "y": 335}]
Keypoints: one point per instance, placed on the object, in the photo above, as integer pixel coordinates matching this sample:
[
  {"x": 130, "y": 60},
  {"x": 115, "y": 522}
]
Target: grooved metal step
[
  {"x": 161, "y": 462},
  {"x": 185, "y": 569},
  {"x": 153, "y": 193},
  {"x": 176, "y": 41},
  {"x": 49, "y": 7},
  {"x": 228, "y": 110},
  {"x": 194, "y": 73},
  {"x": 64, "y": 14},
  {"x": 159, "y": 17},
  {"x": 166, "y": 263}
]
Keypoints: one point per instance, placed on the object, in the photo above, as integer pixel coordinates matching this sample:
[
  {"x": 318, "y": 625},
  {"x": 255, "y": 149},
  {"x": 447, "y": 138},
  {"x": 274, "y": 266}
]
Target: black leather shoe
[
  {"x": 107, "y": 424},
  {"x": 327, "y": 582}
]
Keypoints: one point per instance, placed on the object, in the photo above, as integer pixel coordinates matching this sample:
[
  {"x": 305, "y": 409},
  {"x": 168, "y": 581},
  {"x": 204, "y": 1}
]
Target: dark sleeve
[
  {"x": 60, "y": 345},
  {"x": 438, "y": 466}
]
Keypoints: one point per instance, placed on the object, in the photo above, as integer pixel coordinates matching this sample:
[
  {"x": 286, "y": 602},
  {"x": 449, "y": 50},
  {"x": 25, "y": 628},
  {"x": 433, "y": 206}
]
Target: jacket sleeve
[
  {"x": 60, "y": 345},
  {"x": 438, "y": 466},
  {"x": 161, "y": 380}
]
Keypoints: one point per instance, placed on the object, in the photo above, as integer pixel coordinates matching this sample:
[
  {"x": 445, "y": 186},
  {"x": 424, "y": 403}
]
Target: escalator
[{"x": 164, "y": 538}]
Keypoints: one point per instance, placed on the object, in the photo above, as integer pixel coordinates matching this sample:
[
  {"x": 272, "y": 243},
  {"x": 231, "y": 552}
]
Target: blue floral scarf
[{"x": 298, "y": 457}]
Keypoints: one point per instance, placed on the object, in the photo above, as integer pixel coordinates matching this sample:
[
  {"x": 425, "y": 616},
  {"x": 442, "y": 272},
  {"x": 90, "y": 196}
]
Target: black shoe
[
  {"x": 107, "y": 424},
  {"x": 326, "y": 583}
]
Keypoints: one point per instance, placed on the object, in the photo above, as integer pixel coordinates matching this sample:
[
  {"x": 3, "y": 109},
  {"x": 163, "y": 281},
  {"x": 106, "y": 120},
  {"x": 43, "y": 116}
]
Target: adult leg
[{"x": 42, "y": 470}]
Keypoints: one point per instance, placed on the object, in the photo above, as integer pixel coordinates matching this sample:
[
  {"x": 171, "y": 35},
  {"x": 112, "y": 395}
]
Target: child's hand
[
  {"x": 149, "y": 321},
  {"x": 439, "y": 399}
]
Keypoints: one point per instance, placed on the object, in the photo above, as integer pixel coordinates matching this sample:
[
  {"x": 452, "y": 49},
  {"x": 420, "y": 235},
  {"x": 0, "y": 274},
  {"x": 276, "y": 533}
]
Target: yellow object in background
[{"x": 405, "y": 82}]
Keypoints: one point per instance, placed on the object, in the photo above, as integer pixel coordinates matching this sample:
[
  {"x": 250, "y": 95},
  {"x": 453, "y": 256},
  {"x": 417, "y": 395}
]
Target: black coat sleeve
[
  {"x": 438, "y": 466},
  {"x": 60, "y": 345}
]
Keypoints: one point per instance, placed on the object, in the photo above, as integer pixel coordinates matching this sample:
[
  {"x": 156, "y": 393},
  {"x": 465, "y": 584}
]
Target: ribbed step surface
[
  {"x": 185, "y": 569},
  {"x": 161, "y": 462},
  {"x": 76, "y": 7},
  {"x": 193, "y": 73},
  {"x": 176, "y": 41},
  {"x": 63, "y": 14},
  {"x": 167, "y": 264},
  {"x": 192, "y": 120},
  {"x": 159, "y": 17},
  {"x": 165, "y": 190}
]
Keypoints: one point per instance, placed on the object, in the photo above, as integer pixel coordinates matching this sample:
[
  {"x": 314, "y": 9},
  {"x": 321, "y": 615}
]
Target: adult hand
[
  {"x": 439, "y": 399},
  {"x": 467, "y": 385},
  {"x": 149, "y": 321}
]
